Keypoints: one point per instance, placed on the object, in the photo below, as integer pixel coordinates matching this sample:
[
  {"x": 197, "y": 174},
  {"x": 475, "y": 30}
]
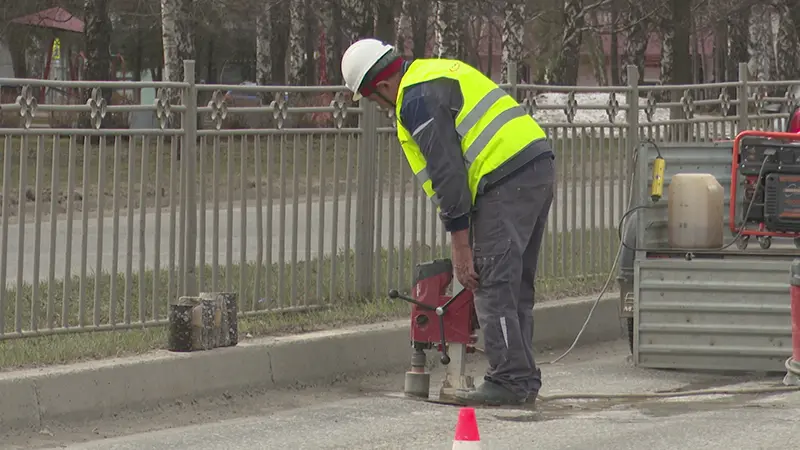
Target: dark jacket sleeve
[{"x": 428, "y": 112}]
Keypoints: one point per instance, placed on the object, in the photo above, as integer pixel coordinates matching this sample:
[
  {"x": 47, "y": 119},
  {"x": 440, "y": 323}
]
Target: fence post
[
  {"x": 512, "y": 78},
  {"x": 188, "y": 191},
  {"x": 632, "y": 118},
  {"x": 744, "y": 99},
  {"x": 637, "y": 173},
  {"x": 365, "y": 199}
]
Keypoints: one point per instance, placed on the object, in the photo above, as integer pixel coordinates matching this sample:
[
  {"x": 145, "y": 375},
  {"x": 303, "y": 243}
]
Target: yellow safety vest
[{"x": 492, "y": 126}]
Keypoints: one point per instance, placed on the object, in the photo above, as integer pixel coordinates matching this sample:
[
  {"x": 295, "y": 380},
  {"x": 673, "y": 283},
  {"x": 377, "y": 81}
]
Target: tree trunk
[
  {"x": 385, "y": 27},
  {"x": 760, "y": 46},
  {"x": 264, "y": 49},
  {"x": 211, "y": 68},
  {"x": 334, "y": 40},
  {"x": 448, "y": 30},
  {"x": 614, "y": 51},
  {"x": 138, "y": 57},
  {"x": 490, "y": 47},
  {"x": 667, "y": 55},
  {"x": 281, "y": 25},
  {"x": 97, "y": 33},
  {"x": 738, "y": 39},
  {"x": 720, "y": 51},
  {"x": 297, "y": 42},
  {"x": 358, "y": 19},
  {"x": 788, "y": 65},
  {"x": 177, "y": 32},
  {"x": 564, "y": 68},
  {"x": 682, "y": 59},
  {"x": 17, "y": 39},
  {"x": 513, "y": 36},
  {"x": 403, "y": 27},
  {"x": 311, "y": 44},
  {"x": 419, "y": 26},
  {"x": 596, "y": 52},
  {"x": 637, "y": 35}
]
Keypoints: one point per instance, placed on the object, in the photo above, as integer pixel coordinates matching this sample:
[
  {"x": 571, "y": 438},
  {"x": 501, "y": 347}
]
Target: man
[{"x": 488, "y": 167}]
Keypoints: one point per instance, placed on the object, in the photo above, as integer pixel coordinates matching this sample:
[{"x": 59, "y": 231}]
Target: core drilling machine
[{"x": 447, "y": 323}]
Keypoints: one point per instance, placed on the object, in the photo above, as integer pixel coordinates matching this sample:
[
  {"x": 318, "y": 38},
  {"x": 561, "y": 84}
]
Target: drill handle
[
  {"x": 395, "y": 294},
  {"x": 453, "y": 298}
]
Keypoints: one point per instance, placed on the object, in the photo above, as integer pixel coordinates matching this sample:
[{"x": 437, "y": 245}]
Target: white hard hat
[{"x": 358, "y": 59}]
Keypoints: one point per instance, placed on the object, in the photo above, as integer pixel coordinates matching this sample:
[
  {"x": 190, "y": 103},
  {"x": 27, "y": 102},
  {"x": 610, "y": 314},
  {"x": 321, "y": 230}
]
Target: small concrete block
[{"x": 18, "y": 403}]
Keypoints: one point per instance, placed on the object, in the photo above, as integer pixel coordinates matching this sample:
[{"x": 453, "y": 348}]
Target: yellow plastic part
[{"x": 657, "y": 187}]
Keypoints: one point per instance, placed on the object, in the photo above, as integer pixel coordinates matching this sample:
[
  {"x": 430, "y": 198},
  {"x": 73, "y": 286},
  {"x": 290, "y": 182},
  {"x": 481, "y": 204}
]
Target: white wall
[{"x": 6, "y": 67}]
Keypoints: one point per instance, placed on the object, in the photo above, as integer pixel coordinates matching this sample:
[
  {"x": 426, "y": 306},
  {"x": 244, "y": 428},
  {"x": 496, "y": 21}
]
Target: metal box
[{"x": 729, "y": 312}]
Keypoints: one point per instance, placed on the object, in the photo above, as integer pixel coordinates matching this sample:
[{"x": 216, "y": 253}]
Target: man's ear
[{"x": 383, "y": 85}]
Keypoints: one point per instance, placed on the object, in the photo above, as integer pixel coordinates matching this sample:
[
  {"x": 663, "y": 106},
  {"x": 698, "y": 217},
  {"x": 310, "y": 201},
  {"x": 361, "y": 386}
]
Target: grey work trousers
[{"x": 507, "y": 230}]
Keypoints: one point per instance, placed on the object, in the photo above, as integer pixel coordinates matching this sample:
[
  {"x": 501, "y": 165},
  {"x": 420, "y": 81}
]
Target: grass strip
[{"x": 262, "y": 291}]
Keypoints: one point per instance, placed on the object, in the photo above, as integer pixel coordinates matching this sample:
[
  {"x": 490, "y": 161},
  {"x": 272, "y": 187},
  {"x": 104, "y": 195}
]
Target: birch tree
[
  {"x": 787, "y": 40},
  {"x": 563, "y": 69},
  {"x": 264, "y": 48},
  {"x": 403, "y": 26},
  {"x": 343, "y": 21},
  {"x": 637, "y": 27},
  {"x": 298, "y": 31},
  {"x": 513, "y": 36},
  {"x": 738, "y": 41},
  {"x": 667, "y": 62},
  {"x": 332, "y": 22},
  {"x": 177, "y": 32},
  {"x": 760, "y": 46},
  {"x": 449, "y": 41}
]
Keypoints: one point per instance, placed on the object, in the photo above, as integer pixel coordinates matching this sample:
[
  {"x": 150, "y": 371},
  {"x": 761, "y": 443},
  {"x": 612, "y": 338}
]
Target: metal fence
[{"x": 109, "y": 212}]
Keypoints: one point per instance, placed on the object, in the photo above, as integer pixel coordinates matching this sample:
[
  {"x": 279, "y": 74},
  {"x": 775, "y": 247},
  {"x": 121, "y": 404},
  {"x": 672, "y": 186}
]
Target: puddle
[
  {"x": 723, "y": 380},
  {"x": 624, "y": 410}
]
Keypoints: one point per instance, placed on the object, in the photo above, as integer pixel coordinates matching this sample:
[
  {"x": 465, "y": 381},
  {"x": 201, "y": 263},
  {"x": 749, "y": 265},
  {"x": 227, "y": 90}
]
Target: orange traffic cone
[{"x": 467, "y": 436}]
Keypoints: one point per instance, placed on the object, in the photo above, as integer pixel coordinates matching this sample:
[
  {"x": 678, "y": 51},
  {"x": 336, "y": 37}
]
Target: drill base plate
[{"x": 453, "y": 402}]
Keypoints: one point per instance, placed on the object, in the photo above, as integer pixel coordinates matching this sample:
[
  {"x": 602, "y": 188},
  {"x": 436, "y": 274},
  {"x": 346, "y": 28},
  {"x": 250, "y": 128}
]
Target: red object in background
[
  {"x": 460, "y": 320},
  {"x": 794, "y": 121},
  {"x": 795, "y": 293}
]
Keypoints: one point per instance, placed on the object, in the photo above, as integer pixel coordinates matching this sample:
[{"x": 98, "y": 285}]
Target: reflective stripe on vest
[
  {"x": 471, "y": 119},
  {"x": 477, "y": 125},
  {"x": 423, "y": 178}
]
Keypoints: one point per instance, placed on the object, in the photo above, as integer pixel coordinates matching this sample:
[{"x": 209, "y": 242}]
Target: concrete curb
[{"x": 94, "y": 389}]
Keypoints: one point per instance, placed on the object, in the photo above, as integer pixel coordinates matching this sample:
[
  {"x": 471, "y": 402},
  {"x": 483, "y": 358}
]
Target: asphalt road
[
  {"x": 369, "y": 414},
  {"x": 596, "y": 206}
]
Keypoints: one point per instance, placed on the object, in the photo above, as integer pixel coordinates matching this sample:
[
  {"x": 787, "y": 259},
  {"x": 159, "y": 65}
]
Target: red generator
[{"x": 766, "y": 168}]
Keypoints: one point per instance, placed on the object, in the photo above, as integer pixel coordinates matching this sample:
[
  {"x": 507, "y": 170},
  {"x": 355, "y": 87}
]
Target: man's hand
[{"x": 463, "y": 264}]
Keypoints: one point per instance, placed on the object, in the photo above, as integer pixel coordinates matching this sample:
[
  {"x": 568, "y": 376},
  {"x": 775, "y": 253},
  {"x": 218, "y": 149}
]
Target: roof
[{"x": 55, "y": 18}]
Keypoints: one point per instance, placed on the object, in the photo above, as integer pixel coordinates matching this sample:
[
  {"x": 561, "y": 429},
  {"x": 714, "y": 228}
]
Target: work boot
[{"x": 489, "y": 394}]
